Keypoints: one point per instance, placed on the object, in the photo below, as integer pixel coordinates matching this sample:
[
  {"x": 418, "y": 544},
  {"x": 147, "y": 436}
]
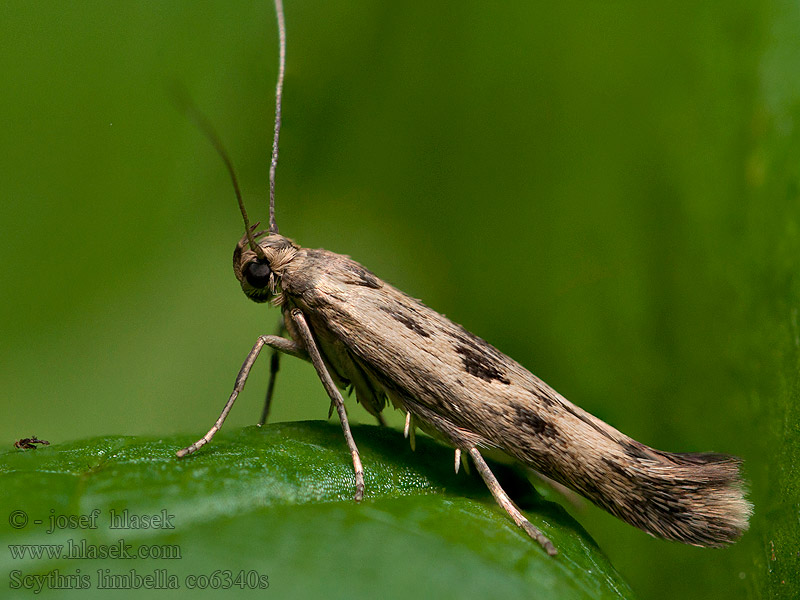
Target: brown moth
[{"x": 359, "y": 331}]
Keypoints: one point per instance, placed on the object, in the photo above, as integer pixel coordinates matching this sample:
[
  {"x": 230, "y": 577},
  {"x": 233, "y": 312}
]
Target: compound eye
[{"x": 257, "y": 273}]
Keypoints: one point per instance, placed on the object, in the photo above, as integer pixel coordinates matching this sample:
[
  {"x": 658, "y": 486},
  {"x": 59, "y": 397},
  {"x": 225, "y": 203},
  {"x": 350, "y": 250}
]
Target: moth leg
[
  {"x": 336, "y": 397},
  {"x": 274, "y": 365},
  {"x": 410, "y": 430},
  {"x": 279, "y": 343},
  {"x": 504, "y": 501}
]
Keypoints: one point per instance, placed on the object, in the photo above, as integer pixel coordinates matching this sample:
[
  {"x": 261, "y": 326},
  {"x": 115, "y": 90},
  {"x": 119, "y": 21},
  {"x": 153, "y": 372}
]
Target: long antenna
[
  {"x": 273, "y": 226},
  {"x": 205, "y": 126}
]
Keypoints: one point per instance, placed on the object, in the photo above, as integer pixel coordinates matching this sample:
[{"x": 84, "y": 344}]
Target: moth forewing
[{"x": 460, "y": 388}]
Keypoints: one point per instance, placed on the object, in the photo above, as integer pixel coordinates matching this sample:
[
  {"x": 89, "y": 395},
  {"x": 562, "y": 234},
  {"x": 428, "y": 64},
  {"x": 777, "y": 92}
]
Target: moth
[{"x": 360, "y": 331}]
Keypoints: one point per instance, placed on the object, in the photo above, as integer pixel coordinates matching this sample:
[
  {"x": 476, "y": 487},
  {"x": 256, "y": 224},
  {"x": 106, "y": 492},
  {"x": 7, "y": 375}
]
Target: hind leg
[{"x": 504, "y": 501}]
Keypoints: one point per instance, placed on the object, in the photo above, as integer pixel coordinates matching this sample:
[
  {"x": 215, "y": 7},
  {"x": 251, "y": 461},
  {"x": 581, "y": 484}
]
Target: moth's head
[{"x": 259, "y": 269}]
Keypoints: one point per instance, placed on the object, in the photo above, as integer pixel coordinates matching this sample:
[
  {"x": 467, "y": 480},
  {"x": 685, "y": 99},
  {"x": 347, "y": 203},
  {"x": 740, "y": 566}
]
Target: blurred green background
[{"x": 606, "y": 192}]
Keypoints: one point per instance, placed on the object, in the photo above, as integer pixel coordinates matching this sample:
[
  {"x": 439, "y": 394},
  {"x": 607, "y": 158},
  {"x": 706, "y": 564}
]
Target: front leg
[
  {"x": 336, "y": 397},
  {"x": 278, "y": 343}
]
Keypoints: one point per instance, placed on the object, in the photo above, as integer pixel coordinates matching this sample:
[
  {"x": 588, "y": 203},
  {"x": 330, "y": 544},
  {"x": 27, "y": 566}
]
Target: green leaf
[{"x": 277, "y": 502}]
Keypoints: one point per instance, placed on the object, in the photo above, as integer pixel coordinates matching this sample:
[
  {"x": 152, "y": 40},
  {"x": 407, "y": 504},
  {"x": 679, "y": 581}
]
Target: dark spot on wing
[
  {"x": 544, "y": 396},
  {"x": 537, "y": 424},
  {"x": 409, "y": 302},
  {"x": 362, "y": 276},
  {"x": 466, "y": 338},
  {"x": 398, "y": 313},
  {"x": 479, "y": 358},
  {"x": 480, "y": 365}
]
